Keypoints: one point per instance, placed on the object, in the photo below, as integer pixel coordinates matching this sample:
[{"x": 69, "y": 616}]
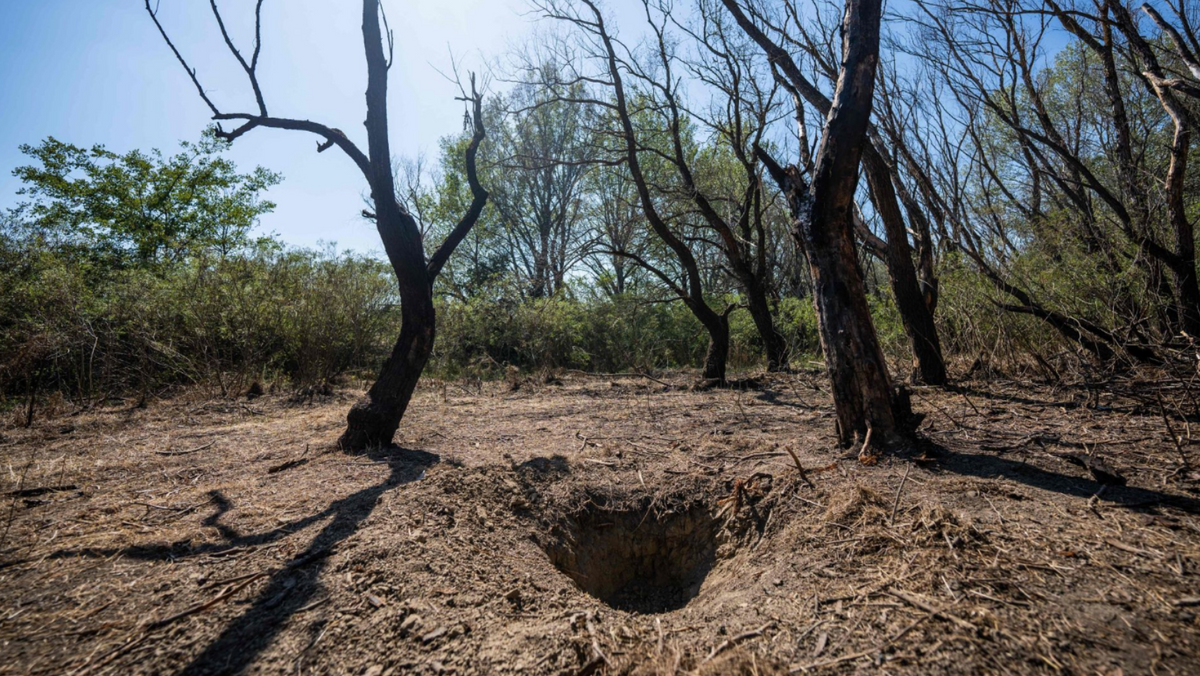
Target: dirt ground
[{"x": 602, "y": 525}]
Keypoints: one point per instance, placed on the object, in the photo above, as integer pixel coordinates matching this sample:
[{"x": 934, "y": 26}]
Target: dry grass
[{"x": 215, "y": 537}]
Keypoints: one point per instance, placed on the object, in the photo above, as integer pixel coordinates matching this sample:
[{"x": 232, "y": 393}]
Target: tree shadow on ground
[
  {"x": 540, "y": 466},
  {"x": 986, "y": 466},
  {"x": 214, "y": 520},
  {"x": 400, "y": 461},
  {"x": 1010, "y": 398},
  {"x": 294, "y": 585},
  {"x": 772, "y": 397}
]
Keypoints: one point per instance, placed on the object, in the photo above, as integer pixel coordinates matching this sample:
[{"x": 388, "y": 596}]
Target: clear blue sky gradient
[{"x": 96, "y": 71}]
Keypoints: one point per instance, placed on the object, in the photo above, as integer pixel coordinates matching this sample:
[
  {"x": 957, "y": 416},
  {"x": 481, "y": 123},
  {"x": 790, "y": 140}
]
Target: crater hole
[{"x": 636, "y": 560}]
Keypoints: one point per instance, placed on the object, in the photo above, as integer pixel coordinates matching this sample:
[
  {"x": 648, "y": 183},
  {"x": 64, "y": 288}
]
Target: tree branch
[{"x": 479, "y": 195}]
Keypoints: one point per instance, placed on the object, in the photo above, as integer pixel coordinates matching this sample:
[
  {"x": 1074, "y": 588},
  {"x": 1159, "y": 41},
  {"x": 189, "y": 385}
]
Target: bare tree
[
  {"x": 740, "y": 112},
  {"x": 862, "y": 391},
  {"x": 616, "y": 220},
  {"x": 1041, "y": 149},
  {"x": 537, "y": 163},
  {"x": 715, "y": 231},
  {"x": 374, "y": 419},
  {"x": 915, "y": 293},
  {"x": 619, "y": 63}
]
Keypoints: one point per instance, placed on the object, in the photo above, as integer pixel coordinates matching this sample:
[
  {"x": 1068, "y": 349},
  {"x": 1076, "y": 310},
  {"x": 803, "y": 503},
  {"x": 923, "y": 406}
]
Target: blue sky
[{"x": 96, "y": 71}]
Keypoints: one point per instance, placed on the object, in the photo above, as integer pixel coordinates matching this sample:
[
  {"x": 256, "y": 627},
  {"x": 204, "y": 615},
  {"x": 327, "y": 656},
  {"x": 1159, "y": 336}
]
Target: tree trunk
[
  {"x": 374, "y": 419},
  {"x": 1184, "y": 270},
  {"x": 862, "y": 392},
  {"x": 33, "y": 390},
  {"x": 692, "y": 289},
  {"x": 773, "y": 341},
  {"x": 858, "y": 373},
  {"x": 928, "y": 366},
  {"x": 717, "y": 355}
]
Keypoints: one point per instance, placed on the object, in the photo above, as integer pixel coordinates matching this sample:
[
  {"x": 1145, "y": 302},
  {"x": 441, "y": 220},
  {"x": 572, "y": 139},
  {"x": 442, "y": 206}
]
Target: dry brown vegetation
[{"x": 224, "y": 536}]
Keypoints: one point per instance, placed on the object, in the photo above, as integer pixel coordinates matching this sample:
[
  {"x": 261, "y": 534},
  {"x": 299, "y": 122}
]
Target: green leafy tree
[{"x": 138, "y": 209}]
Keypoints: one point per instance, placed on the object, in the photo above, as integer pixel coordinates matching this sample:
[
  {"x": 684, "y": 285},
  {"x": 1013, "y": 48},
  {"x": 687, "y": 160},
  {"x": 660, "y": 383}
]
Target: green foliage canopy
[{"x": 138, "y": 209}]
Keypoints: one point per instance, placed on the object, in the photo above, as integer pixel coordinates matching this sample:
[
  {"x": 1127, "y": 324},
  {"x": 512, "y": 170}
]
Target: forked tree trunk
[
  {"x": 862, "y": 394},
  {"x": 929, "y": 366},
  {"x": 374, "y": 419},
  {"x": 862, "y": 391}
]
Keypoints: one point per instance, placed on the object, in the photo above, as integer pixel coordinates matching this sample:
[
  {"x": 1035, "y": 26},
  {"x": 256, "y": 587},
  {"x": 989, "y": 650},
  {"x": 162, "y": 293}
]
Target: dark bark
[
  {"x": 717, "y": 354},
  {"x": 915, "y": 313},
  {"x": 909, "y": 282},
  {"x": 774, "y": 343},
  {"x": 857, "y": 370},
  {"x": 926, "y": 270},
  {"x": 907, "y": 288},
  {"x": 862, "y": 391},
  {"x": 1184, "y": 267},
  {"x": 374, "y": 419},
  {"x": 691, "y": 291},
  {"x": 32, "y": 400}
]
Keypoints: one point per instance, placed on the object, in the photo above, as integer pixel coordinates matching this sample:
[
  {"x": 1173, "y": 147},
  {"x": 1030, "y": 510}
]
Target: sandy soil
[{"x": 600, "y": 525}]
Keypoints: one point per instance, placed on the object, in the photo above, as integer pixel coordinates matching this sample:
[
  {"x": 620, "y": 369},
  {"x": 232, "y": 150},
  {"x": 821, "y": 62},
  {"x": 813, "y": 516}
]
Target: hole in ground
[{"x": 636, "y": 560}]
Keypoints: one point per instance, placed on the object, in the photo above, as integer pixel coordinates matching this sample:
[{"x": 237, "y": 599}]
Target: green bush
[
  {"x": 599, "y": 334},
  {"x": 301, "y": 316}
]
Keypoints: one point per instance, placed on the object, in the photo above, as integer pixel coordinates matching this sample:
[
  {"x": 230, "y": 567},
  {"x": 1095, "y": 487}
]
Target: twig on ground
[
  {"x": 187, "y": 452},
  {"x": 799, "y": 467},
  {"x": 896, "y": 502},
  {"x": 34, "y": 492},
  {"x": 729, "y": 643},
  {"x": 286, "y": 465},
  {"x": 1171, "y": 430},
  {"x": 916, "y": 602}
]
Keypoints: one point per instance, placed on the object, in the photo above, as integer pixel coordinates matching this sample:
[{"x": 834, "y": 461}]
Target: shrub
[{"x": 301, "y": 316}]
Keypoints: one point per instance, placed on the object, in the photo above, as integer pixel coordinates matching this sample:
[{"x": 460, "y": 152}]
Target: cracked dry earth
[{"x": 597, "y": 525}]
